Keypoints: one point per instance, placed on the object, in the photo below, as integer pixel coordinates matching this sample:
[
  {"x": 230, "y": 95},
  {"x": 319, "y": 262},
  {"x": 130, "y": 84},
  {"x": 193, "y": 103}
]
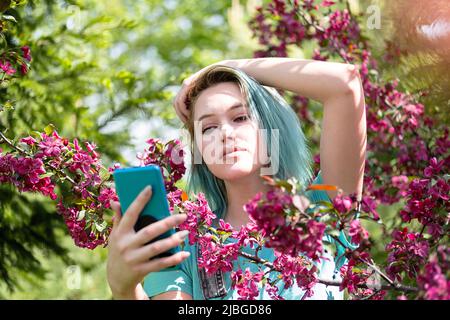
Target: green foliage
[{"x": 97, "y": 67}]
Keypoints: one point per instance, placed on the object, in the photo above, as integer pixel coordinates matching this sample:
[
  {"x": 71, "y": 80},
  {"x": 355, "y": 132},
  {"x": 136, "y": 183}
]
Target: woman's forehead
[
  {"x": 219, "y": 99},
  {"x": 223, "y": 90}
]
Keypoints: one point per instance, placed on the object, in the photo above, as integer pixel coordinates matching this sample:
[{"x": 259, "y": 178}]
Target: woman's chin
[{"x": 234, "y": 171}]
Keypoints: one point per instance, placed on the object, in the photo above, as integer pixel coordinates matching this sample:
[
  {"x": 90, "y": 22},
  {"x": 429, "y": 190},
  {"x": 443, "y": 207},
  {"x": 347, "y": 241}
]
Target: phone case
[{"x": 130, "y": 182}]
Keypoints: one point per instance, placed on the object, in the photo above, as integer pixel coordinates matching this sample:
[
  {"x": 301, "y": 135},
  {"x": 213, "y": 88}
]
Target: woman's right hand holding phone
[{"x": 129, "y": 258}]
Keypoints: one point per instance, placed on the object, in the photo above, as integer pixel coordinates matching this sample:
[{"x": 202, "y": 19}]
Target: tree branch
[{"x": 390, "y": 286}]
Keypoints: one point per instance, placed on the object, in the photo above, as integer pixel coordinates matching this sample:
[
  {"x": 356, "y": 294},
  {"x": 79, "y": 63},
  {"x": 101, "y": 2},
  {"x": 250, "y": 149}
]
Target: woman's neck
[{"x": 239, "y": 192}]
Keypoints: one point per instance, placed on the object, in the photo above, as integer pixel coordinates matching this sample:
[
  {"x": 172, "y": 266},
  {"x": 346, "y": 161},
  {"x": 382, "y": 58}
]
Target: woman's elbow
[
  {"x": 352, "y": 80},
  {"x": 352, "y": 88}
]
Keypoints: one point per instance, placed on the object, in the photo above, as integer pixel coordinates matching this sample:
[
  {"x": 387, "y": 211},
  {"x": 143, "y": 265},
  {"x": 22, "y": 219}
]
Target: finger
[
  {"x": 130, "y": 217},
  {"x": 178, "y": 112},
  {"x": 182, "y": 116},
  {"x": 184, "y": 113},
  {"x": 152, "y": 250},
  {"x": 162, "y": 263},
  {"x": 156, "y": 229},
  {"x": 117, "y": 213},
  {"x": 178, "y": 109}
]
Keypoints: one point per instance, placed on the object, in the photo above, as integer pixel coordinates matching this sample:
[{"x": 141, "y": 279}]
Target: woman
[{"x": 224, "y": 107}]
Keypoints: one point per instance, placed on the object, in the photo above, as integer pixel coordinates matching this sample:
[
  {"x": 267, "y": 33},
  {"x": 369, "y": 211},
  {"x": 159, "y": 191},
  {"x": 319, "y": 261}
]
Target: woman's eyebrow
[{"x": 237, "y": 105}]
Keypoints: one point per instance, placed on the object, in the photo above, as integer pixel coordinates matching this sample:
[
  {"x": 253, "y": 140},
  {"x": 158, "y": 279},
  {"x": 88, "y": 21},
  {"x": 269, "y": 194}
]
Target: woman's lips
[{"x": 236, "y": 149}]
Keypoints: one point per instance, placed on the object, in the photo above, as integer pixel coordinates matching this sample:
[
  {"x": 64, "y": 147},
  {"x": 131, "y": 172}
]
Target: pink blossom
[
  {"x": 246, "y": 283},
  {"x": 434, "y": 278},
  {"x": 342, "y": 203},
  {"x": 357, "y": 232},
  {"x": 26, "y": 52},
  {"x": 268, "y": 213},
  {"x": 7, "y": 68},
  {"x": 327, "y": 3},
  {"x": 28, "y": 140},
  {"x": 407, "y": 252}
]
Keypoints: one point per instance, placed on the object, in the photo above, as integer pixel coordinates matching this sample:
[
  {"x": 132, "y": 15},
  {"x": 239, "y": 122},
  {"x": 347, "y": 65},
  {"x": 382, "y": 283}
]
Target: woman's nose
[{"x": 226, "y": 131}]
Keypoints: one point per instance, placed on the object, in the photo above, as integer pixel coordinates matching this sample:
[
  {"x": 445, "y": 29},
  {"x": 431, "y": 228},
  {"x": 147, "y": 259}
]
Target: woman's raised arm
[{"x": 338, "y": 87}]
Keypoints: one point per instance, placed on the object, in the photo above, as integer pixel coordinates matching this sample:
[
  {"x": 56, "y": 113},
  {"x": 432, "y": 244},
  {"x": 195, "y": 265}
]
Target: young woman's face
[{"x": 228, "y": 140}]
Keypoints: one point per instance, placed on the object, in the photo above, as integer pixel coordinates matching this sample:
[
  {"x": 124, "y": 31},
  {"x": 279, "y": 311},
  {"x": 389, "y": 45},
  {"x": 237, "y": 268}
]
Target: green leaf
[
  {"x": 284, "y": 184},
  {"x": 175, "y": 210},
  {"x": 36, "y": 135},
  {"x": 334, "y": 233},
  {"x": 225, "y": 236},
  {"x": 49, "y": 129},
  {"x": 101, "y": 226},
  {"x": 264, "y": 281},
  {"x": 7, "y": 106},
  {"x": 8, "y": 18},
  {"x": 45, "y": 175},
  {"x": 81, "y": 215}
]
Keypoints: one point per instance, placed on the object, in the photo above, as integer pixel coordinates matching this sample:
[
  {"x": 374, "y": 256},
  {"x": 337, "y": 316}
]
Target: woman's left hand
[{"x": 179, "y": 102}]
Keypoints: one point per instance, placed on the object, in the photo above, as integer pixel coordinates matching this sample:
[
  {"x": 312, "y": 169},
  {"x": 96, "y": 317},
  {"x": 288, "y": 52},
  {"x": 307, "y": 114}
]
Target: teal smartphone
[{"x": 130, "y": 182}]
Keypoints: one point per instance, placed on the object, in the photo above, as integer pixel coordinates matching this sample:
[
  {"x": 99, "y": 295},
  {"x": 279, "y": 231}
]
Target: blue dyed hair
[{"x": 271, "y": 112}]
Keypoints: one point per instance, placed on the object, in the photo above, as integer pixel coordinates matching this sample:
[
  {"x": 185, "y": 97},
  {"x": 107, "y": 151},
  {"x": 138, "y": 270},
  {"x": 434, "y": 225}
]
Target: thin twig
[
  {"x": 402, "y": 288},
  {"x": 374, "y": 267},
  {"x": 394, "y": 286}
]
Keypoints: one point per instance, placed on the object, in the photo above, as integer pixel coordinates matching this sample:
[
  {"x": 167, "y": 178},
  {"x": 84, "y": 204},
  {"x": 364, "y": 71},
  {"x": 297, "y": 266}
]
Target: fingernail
[
  {"x": 183, "y": 234},
  {"x": 148, "y": 190},
  {"x": 186, "y": 254}
]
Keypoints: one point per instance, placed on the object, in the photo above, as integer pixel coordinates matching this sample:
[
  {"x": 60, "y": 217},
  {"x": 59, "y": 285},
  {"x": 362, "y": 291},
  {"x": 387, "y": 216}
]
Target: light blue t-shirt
[{"x": 187, "y": 279}]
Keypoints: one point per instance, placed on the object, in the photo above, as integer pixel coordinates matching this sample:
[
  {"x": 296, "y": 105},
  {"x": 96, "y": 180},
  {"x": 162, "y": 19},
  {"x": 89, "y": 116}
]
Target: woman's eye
[
  {"x": 204, "y": 130},
  {"x": 241, "y": 118},
  {"x": 238, "y": 119}
]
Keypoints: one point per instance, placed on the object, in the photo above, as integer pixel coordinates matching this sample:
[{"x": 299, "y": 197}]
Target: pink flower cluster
[
  {"x": 7, "y": 68},
  {"x": 169, "y": 156},
  {"x": 435, "y": 278},
  {"x": 26, "y": 174},
  {"x": 83, "y": 236},
  {"x": 298, "y": 269},
  {"x": 246, "y": 283},
  {"x": 217, "y": 256},
  {"x": 340, "y": 34},
  {"x": 47, "y": 158},
  {"x": 428, "y": 199},
  {"x": 357, "y": 232},
  {"x": 359, "y": 280},
  {"x": 199, "y": 215},
  {"x": 407, "y": 253},
  {"x": 270, "y": 214},
  {"x": 9, "y": 59},
  {"x": 405, "y": 162},
  {"x": 350, "y": 279},
  {"x": 50, "y": 156}
]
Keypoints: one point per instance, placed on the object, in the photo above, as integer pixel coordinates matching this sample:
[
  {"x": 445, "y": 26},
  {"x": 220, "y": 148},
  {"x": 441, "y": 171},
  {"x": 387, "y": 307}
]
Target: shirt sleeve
[
  {"x": 163, "y": 281},
  {"x": 179, "y": 279},
  {"x": 321, "y": 195}
]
